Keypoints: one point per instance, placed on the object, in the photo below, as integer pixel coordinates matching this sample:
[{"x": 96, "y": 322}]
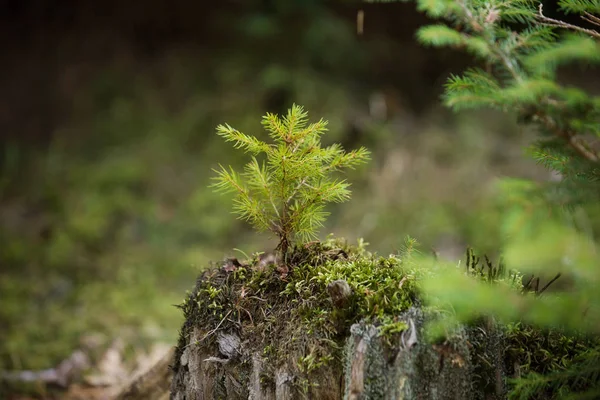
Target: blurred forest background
[{"x": 108, "y": 113}]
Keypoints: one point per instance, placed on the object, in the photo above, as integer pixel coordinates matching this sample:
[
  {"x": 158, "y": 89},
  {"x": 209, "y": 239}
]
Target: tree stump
[{"x": 370, "y": 369}]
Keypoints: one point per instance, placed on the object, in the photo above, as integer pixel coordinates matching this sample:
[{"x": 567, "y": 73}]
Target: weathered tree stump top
[{"x": 321, "y": 333}]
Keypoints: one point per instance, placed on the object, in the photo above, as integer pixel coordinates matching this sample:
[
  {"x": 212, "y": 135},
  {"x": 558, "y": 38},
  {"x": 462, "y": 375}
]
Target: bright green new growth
[{"x": 286, "y": 194}]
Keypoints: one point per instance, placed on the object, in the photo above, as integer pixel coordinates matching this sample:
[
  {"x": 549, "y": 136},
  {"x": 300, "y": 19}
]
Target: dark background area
[{"x": 53, "y": 49}]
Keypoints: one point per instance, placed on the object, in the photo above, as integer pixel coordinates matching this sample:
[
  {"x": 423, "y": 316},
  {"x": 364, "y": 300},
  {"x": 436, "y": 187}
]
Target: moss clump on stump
[{"x": 290, "y": 318}]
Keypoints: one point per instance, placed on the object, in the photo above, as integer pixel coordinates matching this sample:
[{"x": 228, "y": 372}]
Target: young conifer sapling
[{"x": 286, "y": 190}]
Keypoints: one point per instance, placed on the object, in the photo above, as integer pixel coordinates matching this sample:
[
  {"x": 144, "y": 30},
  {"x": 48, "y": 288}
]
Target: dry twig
[{"x": 561, "y": 24}]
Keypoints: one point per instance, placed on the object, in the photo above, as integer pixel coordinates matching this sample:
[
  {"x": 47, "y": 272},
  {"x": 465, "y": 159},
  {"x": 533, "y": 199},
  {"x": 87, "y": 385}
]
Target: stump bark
[{"x": 369, "y": 368}]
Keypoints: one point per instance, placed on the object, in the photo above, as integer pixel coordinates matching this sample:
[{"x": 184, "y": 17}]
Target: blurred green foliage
[
  {"x": 103, "y": 230},
  {"x": 539, "y": 231},
  {"x": 547, "y": 228}
]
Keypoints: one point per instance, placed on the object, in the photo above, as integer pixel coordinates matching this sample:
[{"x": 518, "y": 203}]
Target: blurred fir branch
[
  {"x": 520, "y": 75},
  {"x": 521, "y": 50}
]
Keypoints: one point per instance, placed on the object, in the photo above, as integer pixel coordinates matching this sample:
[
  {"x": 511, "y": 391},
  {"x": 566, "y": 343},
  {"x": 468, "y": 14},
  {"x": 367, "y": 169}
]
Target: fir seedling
[{"x": 287, "y": 191}]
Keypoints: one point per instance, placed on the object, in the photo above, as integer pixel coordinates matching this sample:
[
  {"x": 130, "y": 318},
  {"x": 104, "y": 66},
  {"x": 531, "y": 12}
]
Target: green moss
[
  {"x": 291, "y": 317},
  {"x": 539, "y": 363},
  {"x": 549, "y": 363}
]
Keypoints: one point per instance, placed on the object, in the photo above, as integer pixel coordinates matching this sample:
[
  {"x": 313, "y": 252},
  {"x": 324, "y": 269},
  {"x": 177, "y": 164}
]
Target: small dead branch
[{"x": 561, "y": 24}]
